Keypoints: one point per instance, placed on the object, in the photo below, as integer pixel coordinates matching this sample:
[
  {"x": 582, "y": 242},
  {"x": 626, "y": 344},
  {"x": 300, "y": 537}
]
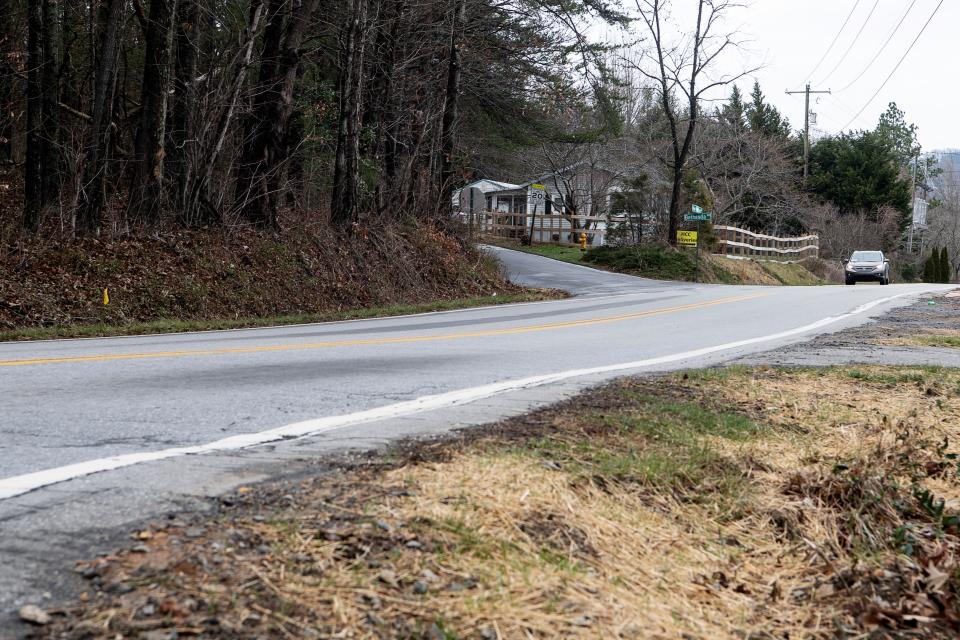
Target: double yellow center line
[{"x": 376, "y": 341}]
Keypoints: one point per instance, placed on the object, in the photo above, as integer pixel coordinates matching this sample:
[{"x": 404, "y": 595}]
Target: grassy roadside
[
  {"x": 667, "y": 264},
  {"x": 175, "y": 326},
  {"x": 733, "y": 503}
]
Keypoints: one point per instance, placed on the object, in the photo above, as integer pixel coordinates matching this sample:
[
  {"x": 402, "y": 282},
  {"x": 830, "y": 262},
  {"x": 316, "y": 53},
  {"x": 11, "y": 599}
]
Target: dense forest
[
  {"x": 125, "y": 115},
  {"x": 132, "y": 117}
]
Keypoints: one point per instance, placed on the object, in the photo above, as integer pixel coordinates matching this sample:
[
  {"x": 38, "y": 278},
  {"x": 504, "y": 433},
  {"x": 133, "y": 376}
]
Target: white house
[
  {"x": 557, "y": 206},
  {"x": 472, "y": 198}
]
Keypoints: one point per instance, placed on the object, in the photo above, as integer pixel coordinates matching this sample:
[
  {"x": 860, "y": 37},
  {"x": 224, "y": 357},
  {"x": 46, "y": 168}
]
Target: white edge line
[{"x": 18, "y": 485}]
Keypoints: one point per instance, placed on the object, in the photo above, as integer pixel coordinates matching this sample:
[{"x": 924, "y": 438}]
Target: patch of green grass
[
  {"x": 562, "y": 561},
  {"x": 717, "y": 374},
  {"x": 791, "y": 274},
  {"x": 218, "y": 324},
  {"x": 468, "y": 541},
  {"x": 886, "y": 378},
  {"x": 649, "y": 261},
  {"x": 660, "y": 443},
  {"x": 939, "y": 341}
]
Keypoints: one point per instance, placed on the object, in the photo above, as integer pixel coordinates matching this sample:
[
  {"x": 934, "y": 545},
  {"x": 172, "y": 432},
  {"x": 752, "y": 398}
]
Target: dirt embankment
[
  {"x": 205, "y": 275},
  {"x": 735, "y": 503}
]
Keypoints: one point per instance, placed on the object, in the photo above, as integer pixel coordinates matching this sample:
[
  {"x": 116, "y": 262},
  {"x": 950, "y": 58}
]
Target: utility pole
[{"x": 806, "y": 129}]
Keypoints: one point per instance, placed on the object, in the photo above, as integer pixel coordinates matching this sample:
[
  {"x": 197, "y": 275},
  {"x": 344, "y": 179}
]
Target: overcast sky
[{"x": 789, "y": 37}]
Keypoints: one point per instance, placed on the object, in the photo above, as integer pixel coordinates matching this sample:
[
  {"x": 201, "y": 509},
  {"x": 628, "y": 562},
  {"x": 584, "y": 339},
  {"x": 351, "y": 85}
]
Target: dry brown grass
[{"x": 731, "y": 504}]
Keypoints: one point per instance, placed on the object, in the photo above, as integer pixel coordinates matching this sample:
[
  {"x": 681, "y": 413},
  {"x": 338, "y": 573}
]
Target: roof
[
  {"x": 494, "y": 185},
  {"x": 546, "y": 177}
]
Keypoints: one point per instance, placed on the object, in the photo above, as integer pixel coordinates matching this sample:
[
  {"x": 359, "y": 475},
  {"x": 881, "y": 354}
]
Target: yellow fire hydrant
[{"x": 583, "y": 241}]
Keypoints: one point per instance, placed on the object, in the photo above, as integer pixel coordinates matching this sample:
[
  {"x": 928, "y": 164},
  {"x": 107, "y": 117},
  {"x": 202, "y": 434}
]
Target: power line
[
  {"x": 856, "y": 39},
  {"x": 882, "y": 49},
  {"x": 904, "y": 57},
  {"x": 835, "y": 38},
  {"x": 847, "y": 108}
]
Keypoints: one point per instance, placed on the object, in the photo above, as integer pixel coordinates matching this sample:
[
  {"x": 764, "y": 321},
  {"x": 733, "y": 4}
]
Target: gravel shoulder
[{"x": 896, "y": 338}]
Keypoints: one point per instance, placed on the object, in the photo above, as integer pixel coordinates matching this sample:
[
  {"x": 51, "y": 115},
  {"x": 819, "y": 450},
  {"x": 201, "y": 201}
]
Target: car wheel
[
  {"x": 851, "y": 281},
  {"x": 885, "y": 281}
]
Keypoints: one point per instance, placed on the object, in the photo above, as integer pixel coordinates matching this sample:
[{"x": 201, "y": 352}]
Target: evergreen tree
[
  {"x": 931, "y": 267},
  {"x": 944, "y": 265},
  {"x": 859, "y": 172},
  {"x": 764, "y": 118},
  {"x": 900, "y": 134},
  {"x": 734, "y": 112}
]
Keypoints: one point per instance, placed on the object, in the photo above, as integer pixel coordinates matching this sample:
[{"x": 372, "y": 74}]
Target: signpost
[
  {"x": 538, "y": 195},
  {"x": 690, "y": 238}
]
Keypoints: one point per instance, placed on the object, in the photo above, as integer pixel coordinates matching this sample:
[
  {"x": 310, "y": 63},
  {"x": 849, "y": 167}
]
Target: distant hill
[
  {"x": 948, "y": 155},
  {"x": 949, "y": 160}
]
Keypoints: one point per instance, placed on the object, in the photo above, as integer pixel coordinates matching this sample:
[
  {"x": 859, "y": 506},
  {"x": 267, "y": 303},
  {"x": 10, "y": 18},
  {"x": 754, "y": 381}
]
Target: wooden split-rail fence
[{"x": 734, "y": 242}]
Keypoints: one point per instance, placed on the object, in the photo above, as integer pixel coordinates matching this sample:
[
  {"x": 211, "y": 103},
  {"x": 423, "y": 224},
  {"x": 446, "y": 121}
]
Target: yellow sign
[
  {"x": 537, "y": 186},
  {"x": 687, "y": 238}
]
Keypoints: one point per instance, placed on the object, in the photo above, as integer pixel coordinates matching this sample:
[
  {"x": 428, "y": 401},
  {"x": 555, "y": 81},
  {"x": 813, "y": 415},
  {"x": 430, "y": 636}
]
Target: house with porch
[{"x": 554, "y": 207}]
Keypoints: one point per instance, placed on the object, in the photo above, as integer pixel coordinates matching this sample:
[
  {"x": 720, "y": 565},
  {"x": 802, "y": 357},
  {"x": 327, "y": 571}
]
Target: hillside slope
[{"x": 204, "y": 275}]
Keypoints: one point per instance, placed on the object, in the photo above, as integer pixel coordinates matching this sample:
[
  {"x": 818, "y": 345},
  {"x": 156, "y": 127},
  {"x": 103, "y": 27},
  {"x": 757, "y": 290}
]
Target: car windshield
[{"x": 867, "y": 256}]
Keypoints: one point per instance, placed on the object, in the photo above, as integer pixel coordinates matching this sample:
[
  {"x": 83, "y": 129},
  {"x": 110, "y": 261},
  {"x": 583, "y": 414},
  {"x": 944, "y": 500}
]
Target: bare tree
[
  {"x": 265, "y": 150},
  {"x": 752, "y": 178},
  {"x": 346, "y": 177},
  {"x": 451, "y": 100},
  {"x": 682, "y": 64},
  {"x": 93, "y": 197},
  {"x": 944, "y": 220},
  {"x": 146, "y": 186},
  {"x": 42, "y": 169}
]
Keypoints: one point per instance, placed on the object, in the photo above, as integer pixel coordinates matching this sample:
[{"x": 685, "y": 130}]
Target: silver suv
[{"x": 867, "y": 265}]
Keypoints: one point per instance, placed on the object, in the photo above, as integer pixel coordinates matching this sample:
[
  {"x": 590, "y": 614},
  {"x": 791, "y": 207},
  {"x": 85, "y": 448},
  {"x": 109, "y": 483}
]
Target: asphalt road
[{"x": 99, "y": 434}]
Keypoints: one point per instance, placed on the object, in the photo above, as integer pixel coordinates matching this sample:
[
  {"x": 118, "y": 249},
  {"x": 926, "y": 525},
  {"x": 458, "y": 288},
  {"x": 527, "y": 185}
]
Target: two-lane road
[{"x": 98, "y": 434}]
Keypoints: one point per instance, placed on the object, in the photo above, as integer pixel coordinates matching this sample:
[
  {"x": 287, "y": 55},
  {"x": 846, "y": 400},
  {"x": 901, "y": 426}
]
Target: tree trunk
[
  {"x": 8, "y": 72},
  {"x": 33, "y": 173},
  {"x": 379, "y": 110},
  {"x": 98, "y": 144},
  {"x": 346, "y": 173},
  {"x": 50, "y": 129},
  {"x": 146, "y": 186},
  {"x": 450, "y": 104},
  {"x": 268, "y": 142},
  {"x": 182, "y": 127}
]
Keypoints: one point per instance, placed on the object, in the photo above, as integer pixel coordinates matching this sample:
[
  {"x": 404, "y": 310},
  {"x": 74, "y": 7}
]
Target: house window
[
  {"x": 489, "y": 203},
  {"x": 519, "y": 205}
]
